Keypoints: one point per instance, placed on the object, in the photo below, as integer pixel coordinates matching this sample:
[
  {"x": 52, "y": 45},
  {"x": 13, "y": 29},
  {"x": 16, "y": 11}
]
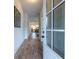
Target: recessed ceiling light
[{"x": 32, "y": 1}]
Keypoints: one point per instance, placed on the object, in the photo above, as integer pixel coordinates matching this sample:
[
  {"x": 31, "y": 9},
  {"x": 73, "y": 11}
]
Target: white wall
[
  {"x": 26, "y": 26},
  {"x": 21, "y": 33},
  {"x": 18, "y": 32},
  {"x": 18, "y": 36}
]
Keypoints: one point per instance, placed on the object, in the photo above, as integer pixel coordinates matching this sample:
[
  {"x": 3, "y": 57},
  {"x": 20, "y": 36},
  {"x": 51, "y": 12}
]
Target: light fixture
[
  {"x": 33, "y": 27},
  {"x": 32, "y": 1}
]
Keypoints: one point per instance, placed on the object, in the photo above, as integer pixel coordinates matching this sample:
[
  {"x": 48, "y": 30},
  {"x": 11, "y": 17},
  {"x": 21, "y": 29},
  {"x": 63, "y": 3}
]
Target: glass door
[
  {"x": 59, "y": 29},
  {"x": 48, "y": 27},
  {"x": 55, "y": 31}
]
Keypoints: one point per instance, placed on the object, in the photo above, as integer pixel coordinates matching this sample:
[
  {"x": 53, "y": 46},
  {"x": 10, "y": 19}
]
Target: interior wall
[
  {"x": 18, "y": 36},
  {"x": 26, "y": 26},
  {"x": 18, "y": 32}
]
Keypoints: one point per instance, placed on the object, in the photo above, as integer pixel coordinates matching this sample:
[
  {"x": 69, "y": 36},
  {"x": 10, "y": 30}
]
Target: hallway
[
  {"x": 30, "y": 49},
  {"x": 46, "y": 18}
]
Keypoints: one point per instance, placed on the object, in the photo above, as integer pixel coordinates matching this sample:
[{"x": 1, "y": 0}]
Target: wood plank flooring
[{"x": 30, "y": 49}]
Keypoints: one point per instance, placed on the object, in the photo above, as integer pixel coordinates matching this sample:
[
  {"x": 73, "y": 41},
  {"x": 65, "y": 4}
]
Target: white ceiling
[{"x": 31, "y": 8}]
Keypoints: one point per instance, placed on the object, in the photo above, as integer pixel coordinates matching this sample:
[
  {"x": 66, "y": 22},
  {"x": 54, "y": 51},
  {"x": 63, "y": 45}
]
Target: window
[
  {"x": 59, "y": 18},
  {"x": 58, "y": 27},
  {"x": 49, "y": 21},
  {"x": 48, "y": 36},
  {"x": 58, "y": 42}
]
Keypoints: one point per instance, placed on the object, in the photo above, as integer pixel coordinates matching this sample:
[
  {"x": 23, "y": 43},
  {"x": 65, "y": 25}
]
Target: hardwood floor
[{"x": 30, "y": 49}]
